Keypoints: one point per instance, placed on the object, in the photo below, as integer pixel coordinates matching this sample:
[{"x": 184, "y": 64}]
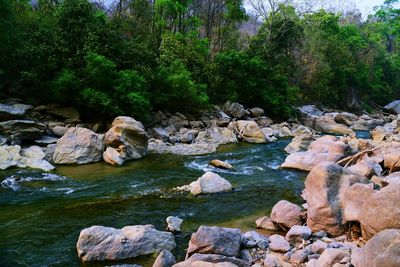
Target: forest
[{"x": 132, "y": 57}]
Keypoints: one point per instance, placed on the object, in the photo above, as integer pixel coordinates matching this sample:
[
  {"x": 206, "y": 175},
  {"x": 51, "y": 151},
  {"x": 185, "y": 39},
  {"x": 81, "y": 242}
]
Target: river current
[{"x": 41, "y": 214}]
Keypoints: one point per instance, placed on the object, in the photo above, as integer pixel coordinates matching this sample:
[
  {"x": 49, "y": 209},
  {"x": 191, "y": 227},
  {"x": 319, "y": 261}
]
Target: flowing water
[{"x": 42, "y": 214}]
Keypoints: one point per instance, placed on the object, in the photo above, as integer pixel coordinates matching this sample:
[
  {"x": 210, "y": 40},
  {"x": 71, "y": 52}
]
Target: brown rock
[
  {"x": 220, "y": 164},
  {"x": 286, "y": 214}
]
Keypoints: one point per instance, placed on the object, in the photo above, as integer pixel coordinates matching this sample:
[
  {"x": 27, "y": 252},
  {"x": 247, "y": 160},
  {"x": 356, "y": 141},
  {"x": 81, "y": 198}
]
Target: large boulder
[
  {"x": 31, "y": 157},
  {"x": 354, "y": 198},
  {"x": 346, "y": 118},
  {"x": 215, "y": 240},
  {"x": 393, "y": 107},
  {"x": 22, "y": 129},
  {"x": 234, "y": 109},
  {"x": 381, "y": 250},
  {"x": 308, "y": 114},
  {"x": 216, "y": 136},
  {"x": 9, "y": 112},
  {"x": 300, "y": 143},
  {"x": 208, "y": 183},
  {"x": 325, "y": 187},
  {"x": 128, "y": 137},
  {"x": 381, "y": 211},
  {"x": 326, "y": 148},
  {"x": 286, "y": 214},
  {"x": 78, "y": 146},
  {"x": 99, "y": 243},
  {"x": 327, "y": 124},
  {"x": 249, "y": 131}
]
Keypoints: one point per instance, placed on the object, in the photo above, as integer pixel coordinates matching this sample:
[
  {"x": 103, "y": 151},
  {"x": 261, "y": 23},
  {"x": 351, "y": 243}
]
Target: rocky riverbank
[{"x": 350, "y": 214}]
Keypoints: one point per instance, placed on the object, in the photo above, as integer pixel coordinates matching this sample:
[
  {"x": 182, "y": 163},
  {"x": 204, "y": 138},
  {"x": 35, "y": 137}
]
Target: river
[{"x": 41, "y": 214}]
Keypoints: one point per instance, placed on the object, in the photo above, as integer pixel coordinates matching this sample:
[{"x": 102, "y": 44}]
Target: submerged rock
[
  {"x": 78, "y": 146},
  {"x": 99, "y": 243},
  {"x": 220, "y": 164},
  {"x": 208, "y": 183}
]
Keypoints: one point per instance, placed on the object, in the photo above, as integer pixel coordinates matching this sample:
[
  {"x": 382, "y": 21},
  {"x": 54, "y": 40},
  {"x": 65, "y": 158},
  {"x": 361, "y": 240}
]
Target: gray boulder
[
  {"x": 99, "y": 243},
  {"x": 393, "y": 107},
  {"x": 165, "y": 259},
  {"x": 22, "y": 129},
  {"x": 174, "y": 224},
  {"x": 9, "y": 112},
  {"x": 78, "y": 146},
  {"x": 215, "y": 240},
  {"x": 234, "y": 109},
  {"x": 208, "y": 183}
]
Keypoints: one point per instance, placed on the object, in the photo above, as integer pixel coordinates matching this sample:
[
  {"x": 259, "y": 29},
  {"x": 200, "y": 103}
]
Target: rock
[
  {"x": 159, "y": 117},
  {"x": 328, "y": 125},
  {"x": 325, "y": 186},
  {"x": 299, "y": 143},
  {"x": 209, "y": 183},
  {"x": 331, "y": 256},
  {"x": 189, "y": 136},
  {"x": 308, "y": 115},
  {"x": 182, "y": 149},
  {"x": 217, "y": 136},
  {"x": 366, "y": 167},
  {"x": 326, "y": 148},
  {"x": 165, "y": 259},
  {"x": 174, "y": 224},
  {"x": 271, "y": 261},
  {"x": 9, "y": 112},
  {"x": 178, "y": 121},
  {"x": 211, "y": 260},
  {"x": 128, "y": 137},
  {"x": 249, "y": 131},
  {"x": 223, "y": 119},
  {"x": 286, "y": 214},
  {"x": 264, "y": 121},
  {"x": 302, "y": 130},
  {"x": 78, "y": 146},
  {"x": 215, "y": 240},
  {"x": 160, "y": 133},
  {"x": 346, "y": 118},
  {"x": 383, "y": 249},
  {"x": 252, "y": 237},
  {"x": 113, "y": 156},
  {"x": 46, "y": 140},
  {"x": 318, "y": 247},
  {"x": 59, "y": 130},
  {"x": 196, "y": 124},
  {"x": 234, "y": 109},
  {"x": 220, "y": 164},
  {"x": 381, "y": 211},
  {"x": 298, "y": 233},
  {"x": 22, "y": 129},
  {"x": 354, "y": 198},
  {"x": 256, "y": 112},
  {"x": 266, "y": 223},
  {"x": 71, "y": 114},
  {"x": 9, "y": 156},
  {"x": 393, "y": 107},
  {"x": 49, "y": 151},
  {"x": 245, "y": 256},
  {"x": 300, "y": 256},
  {"x": 34, "y": 157},
  {"x": 277, "y": 243},
  {"x": 99, "y": 243}
]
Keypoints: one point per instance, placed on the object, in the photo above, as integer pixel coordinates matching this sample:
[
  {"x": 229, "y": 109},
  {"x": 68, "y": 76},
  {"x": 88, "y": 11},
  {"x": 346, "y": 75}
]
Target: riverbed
[{"x": 42, "y": 214}]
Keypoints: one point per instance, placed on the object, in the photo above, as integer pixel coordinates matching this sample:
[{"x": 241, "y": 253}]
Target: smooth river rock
[
  {"x": 220, "y": 164},
  {"x": 164, "y": 259},
  {"x": 286, "y": 214},
  {"x": 78, "y": 146},
  {"x": 99, "y": 243},
  {"x": 249, "y": 131}
]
